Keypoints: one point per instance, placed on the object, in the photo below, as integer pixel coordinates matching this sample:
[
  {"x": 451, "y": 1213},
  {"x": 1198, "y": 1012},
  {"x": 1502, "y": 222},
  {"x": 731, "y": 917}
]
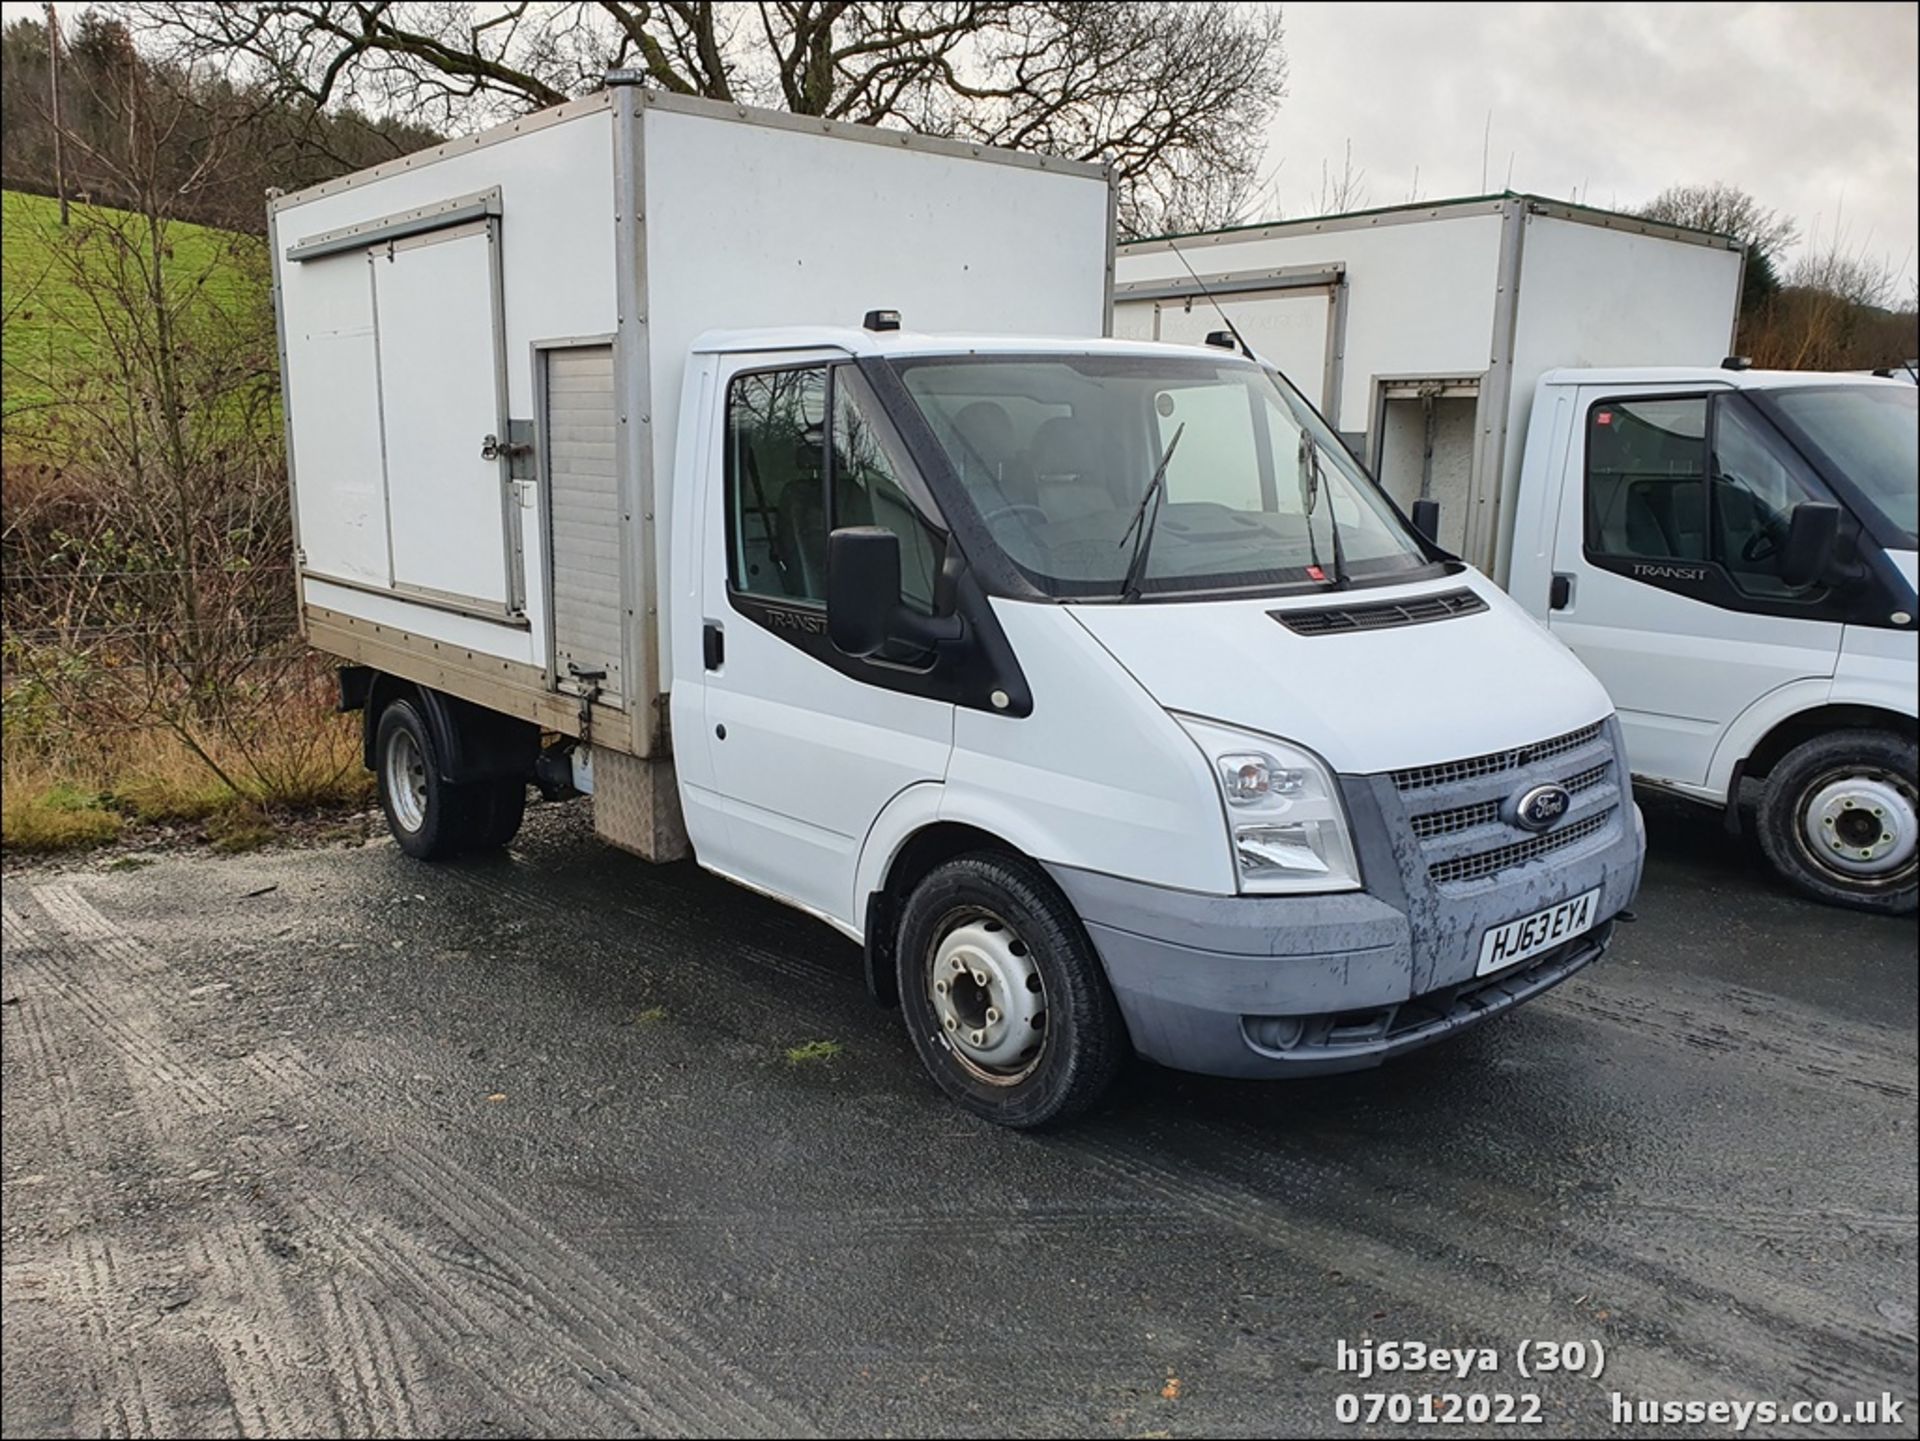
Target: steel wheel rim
[
  {"x": 989, "y": 1002},
  {"x": 405, "y": 773},
  {"x": 1860, "y": 825}
]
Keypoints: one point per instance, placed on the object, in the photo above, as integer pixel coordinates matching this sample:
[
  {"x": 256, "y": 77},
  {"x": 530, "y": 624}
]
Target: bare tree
[
  {"x": 1175, "y": 96},
  {"x": 1724, "y": 209},
  {"x": 147, "y": 584},
  {"x": 1345, "y": 192}
]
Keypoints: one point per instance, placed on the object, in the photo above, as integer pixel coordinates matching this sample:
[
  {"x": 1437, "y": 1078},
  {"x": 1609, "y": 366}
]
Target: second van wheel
[
  {"x": 1840, "y": 818},
  {"x": 1003, "y": 995}
]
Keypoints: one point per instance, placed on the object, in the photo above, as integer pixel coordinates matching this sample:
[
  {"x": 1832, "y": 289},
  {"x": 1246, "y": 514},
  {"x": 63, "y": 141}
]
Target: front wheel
[
  {"x": 1003, "y": 995},
  {"x": 1840, "y": 818}
]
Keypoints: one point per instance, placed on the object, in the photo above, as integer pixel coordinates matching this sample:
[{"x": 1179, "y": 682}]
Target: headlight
[{"x": 1283, "y": 809}]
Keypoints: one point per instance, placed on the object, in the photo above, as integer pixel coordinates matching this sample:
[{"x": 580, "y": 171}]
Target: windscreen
[
  {"x": 1867, "y": 434},
  {"x": 1056, "y": 453}
]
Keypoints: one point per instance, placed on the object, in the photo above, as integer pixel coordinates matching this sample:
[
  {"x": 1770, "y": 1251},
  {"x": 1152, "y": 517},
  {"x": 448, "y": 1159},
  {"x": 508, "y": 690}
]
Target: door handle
[
  {"x": 492, "y": 447},
  {"x": 1560, "y": 594},
  {"x": 713, "y": 645}
]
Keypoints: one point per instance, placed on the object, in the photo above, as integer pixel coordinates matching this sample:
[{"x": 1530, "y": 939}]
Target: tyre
[
  {"x": 1003, "y": 995},
  {"x": 498, "y": 808},
  {"x": 1840, "y": 818},
  {"x": 430, "y": 818}
]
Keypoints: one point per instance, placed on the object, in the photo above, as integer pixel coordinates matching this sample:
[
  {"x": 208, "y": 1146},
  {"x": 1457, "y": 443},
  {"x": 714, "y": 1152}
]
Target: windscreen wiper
[
  {"x": 1310, "y": 486},
  {"x": 1143, "y": 542}
]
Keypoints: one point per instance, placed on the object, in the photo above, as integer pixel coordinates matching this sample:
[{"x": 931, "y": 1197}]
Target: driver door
[
  {"x": 1669, "y": 541},
  {"x": 807, "y": 745}
]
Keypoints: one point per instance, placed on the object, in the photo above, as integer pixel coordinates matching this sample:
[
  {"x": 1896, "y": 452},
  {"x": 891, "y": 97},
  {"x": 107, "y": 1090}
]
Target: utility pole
[{"x": 53, "y": 81}]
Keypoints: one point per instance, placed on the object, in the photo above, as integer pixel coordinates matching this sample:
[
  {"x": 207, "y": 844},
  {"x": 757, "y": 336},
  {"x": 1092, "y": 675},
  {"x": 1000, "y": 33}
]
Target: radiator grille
[
  {"x": 1421, "y": 777},
  {"x": 1480, "y": 813},
  {"x": 1486, "y": 863}
]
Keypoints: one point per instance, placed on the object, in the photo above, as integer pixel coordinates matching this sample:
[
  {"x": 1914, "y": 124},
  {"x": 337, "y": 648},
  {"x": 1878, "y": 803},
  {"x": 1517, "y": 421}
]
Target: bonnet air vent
[{"x": 1383, "y": 615}]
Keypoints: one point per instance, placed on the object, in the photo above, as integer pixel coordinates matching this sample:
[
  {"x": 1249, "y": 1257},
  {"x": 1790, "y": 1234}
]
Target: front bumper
[{"x": 1272, "y": 986}]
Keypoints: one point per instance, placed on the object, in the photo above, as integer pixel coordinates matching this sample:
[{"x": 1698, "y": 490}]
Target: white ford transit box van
[{"x": 1088, "y": 684}]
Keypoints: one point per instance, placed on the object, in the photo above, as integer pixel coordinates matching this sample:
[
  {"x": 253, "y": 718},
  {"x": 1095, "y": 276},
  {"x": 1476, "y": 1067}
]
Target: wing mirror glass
[
  {"x": 1426, "y": 519},
  {"x": 1813, "y": 535},
  {"x": 864, "y": 611}
]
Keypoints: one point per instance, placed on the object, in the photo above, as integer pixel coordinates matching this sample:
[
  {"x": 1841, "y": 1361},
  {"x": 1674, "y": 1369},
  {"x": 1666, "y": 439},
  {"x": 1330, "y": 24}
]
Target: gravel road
[{"x": 327, "y": 1141}]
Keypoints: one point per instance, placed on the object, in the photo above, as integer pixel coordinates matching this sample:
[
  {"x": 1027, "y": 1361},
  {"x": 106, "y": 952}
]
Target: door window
[
  {"x": 868, "y": 468},
  {"x": 787, "y": 432},
  {"x": 1757, "y": 483},
  {"x": 1647, "y": 479},
  {"x": 1693, "y": 478},
  {"x": 775, "y": 484}
]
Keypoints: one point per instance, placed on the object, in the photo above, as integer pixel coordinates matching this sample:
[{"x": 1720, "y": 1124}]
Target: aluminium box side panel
[{"x": 1419, "y": 293}]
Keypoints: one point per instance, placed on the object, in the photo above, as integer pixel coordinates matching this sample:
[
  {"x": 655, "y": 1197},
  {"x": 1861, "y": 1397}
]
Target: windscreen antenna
[{"x": 1213, "y": 300}]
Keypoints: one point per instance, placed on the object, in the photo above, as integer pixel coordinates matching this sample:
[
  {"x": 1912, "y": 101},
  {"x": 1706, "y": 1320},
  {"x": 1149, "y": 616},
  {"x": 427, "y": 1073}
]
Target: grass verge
[{"x": 93, "y": 792}]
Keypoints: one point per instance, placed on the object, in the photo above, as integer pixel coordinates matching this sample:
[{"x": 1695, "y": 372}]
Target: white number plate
[{"x": 1512, "y": 943}]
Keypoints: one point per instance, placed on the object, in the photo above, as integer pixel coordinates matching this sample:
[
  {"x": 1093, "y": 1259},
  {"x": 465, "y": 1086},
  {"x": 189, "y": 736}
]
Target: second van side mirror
[
  {"x": 1813, "y": 535},
  {"x": 864, "y": 613}
]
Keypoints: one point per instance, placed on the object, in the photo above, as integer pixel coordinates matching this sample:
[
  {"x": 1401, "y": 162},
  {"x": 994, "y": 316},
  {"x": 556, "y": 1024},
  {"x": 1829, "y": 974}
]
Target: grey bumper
[{"x": 1256, "y": 986}]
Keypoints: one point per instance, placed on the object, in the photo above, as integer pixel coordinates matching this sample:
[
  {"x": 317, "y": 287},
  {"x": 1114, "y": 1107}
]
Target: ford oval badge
[{"x": 1541, "y": 807}]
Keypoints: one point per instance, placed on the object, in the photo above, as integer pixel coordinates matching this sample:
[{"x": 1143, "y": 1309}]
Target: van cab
[{"x": 1732, "y": 553}]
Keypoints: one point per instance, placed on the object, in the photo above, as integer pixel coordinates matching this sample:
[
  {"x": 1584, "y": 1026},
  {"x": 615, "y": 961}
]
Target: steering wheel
[{"x": 1015, "y": 508}]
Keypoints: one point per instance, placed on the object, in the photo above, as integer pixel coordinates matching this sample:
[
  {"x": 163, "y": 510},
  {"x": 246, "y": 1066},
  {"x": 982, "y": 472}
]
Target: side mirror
[
  {"x": 1813, "y": 535},
  {"x": 863, "y": 587},
  {"x": 864, "y": 613},
  {"x": 1426, "y": 519}
]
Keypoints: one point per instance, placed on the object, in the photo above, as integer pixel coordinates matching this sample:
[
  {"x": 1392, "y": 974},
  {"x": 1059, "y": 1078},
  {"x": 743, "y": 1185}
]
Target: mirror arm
[{"x": 925, "y": 631}]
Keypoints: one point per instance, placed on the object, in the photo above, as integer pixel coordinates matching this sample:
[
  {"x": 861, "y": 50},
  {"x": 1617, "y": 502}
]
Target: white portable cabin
[
  {"x": 482, "y": 346},
  {"x": 1419, "y": 330}
]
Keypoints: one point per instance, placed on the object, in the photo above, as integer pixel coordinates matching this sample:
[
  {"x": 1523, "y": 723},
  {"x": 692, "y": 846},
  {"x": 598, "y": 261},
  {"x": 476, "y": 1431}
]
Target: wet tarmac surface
[{"x": 329, "y": 1141}]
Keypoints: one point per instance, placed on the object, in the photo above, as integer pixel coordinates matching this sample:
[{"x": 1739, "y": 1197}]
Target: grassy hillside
[{"x": 62, "y": 311}]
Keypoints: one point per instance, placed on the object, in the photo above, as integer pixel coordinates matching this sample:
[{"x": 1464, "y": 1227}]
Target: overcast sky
[{"x": 1814, "y": 108}]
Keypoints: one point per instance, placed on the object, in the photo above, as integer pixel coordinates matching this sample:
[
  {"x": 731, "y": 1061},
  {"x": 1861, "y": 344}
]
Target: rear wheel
[
  {"x": 430, "y": 817},
  {"x": 498, "y": 808},
  {"x": 1840, "y": 818},
  {"x": 1003, "y": 995}
]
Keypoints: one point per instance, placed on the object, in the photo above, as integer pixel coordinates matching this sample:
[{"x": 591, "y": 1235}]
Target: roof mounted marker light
[
  {"x": 1222, "y": 340},
  {"x": 1737, "y": 362},
  {"x": 881, "y": 320}
]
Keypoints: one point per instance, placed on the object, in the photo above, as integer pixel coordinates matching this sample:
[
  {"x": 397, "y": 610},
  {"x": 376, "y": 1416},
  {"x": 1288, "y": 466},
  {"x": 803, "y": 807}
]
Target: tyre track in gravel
[
  {"x": 375, "y": 1395},
  {"x": 340, "y": 1216},
  {"x": 1394, "y": 1266},
  {"x": 1811, "y": 1053},
  {"x": 92, "y": 1278},
  {"x": 1711, "y": 1323},
  {"x": 561, "y": 1371},
  {"x": 264, "y": 1343},
  {"x": 595, "y": 1323}
]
